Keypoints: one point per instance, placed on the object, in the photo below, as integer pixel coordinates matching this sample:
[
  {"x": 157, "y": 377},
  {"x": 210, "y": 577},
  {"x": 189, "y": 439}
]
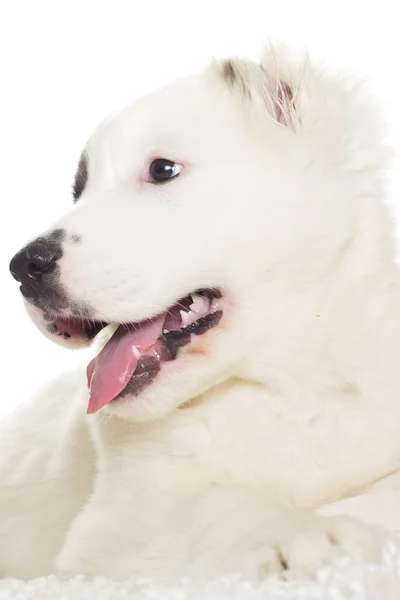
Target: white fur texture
[
  {"x": 345, "y": 579},
  {"x": 290, "y": 404}
]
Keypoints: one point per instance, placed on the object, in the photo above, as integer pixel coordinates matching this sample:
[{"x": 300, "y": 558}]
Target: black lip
[
  {"x": 173, "y": 341},
  {"x": 209, "y": 293},
  {"x": 204, "y": 323}
]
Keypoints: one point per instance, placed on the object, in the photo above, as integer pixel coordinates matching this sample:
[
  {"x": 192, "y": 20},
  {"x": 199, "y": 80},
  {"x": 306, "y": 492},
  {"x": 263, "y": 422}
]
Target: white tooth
[
  {"x": 136, "y": 352},
  {"x": 193, "y": 317},
  {"x": 185, "y": 318},
  {"x": 199, "y": 303},
  {"x": 104, "y": 336},
  {"x": 165, "y": 331}
]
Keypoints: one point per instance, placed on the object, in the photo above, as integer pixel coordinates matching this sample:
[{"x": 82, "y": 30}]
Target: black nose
[{"x": 31, "y": 263}]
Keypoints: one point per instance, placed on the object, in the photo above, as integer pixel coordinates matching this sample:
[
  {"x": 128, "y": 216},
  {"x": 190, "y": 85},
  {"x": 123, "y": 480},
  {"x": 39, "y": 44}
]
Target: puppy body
[
  {"x": 288, "y": 405},
  {"x": 171, "y": 498}
]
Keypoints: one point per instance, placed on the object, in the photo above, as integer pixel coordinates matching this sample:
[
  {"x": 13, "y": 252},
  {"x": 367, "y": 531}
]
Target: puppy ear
[
  {"x": 272, "y": 81},
  {"x": 334, "y": 109},
  {"x": 285, "y": 78}
]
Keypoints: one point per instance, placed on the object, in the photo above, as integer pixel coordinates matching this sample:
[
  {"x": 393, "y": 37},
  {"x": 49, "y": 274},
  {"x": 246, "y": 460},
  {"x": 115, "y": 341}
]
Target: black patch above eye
[
  {"x": 81, "y": 177},
  {"x": 162, "y": 169}
]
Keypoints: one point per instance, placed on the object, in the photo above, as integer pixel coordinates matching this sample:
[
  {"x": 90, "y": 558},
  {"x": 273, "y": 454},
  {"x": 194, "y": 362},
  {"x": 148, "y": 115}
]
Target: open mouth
[{"x": 135, "y": 352}]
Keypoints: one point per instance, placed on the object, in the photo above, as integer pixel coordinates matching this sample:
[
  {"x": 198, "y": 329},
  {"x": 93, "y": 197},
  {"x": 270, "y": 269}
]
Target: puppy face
[{"x": 187, "y": 206}]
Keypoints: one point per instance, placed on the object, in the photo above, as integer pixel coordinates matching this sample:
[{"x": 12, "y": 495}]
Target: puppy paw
[
  {"x": 300, "y": 550},
  {"x": 324, "y": 539}
]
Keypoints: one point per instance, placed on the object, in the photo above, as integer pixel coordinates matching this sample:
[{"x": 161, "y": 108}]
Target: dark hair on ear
[
  {"x": 234, "y": 77},
  {"x": 250, "y": 80}
]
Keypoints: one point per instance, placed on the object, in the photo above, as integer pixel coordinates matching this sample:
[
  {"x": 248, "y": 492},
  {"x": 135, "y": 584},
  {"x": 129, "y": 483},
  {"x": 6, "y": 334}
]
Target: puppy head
[{"x": 192, "y": 209}]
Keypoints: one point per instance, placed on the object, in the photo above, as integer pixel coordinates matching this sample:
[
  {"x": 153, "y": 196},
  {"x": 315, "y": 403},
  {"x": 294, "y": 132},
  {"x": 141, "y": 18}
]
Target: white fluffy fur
[
  {"x": 345, "y": 579},
  {"x": 290, "y": 406}
]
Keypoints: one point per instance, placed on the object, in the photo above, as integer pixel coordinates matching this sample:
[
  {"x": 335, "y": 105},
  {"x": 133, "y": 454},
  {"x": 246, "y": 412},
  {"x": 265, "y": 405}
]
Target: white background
[{"x": 66, "y": 64}]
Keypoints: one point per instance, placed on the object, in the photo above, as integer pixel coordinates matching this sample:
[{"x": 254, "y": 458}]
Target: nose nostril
[{"x": 35, "y": 270}]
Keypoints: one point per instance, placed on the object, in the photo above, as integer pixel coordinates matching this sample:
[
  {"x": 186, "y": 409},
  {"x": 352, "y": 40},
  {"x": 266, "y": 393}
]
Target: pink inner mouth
[{"x": 132, "y": 347}]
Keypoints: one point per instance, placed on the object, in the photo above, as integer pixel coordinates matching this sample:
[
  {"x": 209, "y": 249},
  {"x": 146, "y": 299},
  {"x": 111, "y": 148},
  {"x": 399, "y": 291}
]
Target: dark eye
[{"x": 162, "y": 169}]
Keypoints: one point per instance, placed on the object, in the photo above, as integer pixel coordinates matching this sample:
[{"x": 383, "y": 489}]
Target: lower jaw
[
  {"x": 147, "y": 370},
  {"x": 165, "y": 351}
]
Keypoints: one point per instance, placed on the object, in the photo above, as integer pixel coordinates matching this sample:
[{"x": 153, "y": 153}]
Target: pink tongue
[{"x": 109, "y": 373}]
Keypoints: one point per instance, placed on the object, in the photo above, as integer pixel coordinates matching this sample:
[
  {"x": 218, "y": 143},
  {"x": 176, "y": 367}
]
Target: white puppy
[{"x": 231, "y": 241}]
